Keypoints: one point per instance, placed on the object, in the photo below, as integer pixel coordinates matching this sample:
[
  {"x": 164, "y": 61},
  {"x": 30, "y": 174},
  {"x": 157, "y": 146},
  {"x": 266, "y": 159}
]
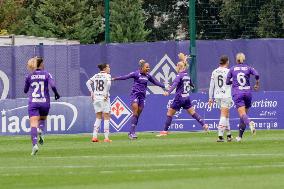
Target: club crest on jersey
[
  {"x": 164, "y": 72},
  {"x": 120, "y": 114}
]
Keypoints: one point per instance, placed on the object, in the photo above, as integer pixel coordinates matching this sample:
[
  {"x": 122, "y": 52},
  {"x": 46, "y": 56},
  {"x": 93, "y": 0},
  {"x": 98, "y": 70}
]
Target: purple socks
[
  {"x": 198, "y": 118},
  {"x": 134, "y": 121},
  {"x": 34, "y": 135},
  {"x": 244, "y": 121},
  {"x": 42, "y": 125},
  {"x": 168, "y": 123}
]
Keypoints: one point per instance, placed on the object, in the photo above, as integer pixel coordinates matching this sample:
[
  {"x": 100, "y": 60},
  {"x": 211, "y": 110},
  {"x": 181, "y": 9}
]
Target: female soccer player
[
  {"x": 138, "y": 92},
  {"x": 31, "y": 66},
  {"x": 183, "y": 84},
  {"x": 39, "y": 100},
  {"x": 101, "y": 101},
  {"x": 239, "y": 76},
  {"x": 222, "y": 95}
]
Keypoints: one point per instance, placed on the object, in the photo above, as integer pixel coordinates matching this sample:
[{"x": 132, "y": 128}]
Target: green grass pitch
[{"x": 180, "y": 160}]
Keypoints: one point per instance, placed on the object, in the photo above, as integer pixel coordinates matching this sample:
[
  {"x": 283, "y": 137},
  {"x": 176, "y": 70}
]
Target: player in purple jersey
[
  {"x": 36, "y": 84},
  {"x": 239, "y": 76},
  {"x": 138, "y": 92},
  {"x": 183, "y": 84}
]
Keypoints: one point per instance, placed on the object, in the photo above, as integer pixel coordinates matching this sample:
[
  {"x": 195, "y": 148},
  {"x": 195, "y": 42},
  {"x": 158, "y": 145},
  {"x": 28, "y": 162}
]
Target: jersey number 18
[{"x": 99, "y": 86}]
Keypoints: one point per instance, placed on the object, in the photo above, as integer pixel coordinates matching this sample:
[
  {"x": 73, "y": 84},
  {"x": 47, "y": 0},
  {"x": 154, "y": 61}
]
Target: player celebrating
[
  {"x": 138, "y": 92},
  {"x": 101, "y": 100},
  {"x": 183, "y": 84},
  {"x": 222, "y": 95},
  {"x": 39, "y": 100},
  {"x": 239, "y": 76}
]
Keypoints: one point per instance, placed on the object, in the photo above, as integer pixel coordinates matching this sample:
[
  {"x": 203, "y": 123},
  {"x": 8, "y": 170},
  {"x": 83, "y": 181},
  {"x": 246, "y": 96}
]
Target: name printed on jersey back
[
  {"x": 37, "y": 77},
  {"x": 240, "y": 68}
]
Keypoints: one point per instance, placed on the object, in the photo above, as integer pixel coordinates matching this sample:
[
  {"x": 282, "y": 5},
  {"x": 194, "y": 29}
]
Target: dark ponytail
[
  {"x": 224, "y": 59},
  {"x": 102, "y": 66}
]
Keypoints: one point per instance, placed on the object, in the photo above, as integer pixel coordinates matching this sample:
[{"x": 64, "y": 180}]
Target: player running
[
  {"x": 101, "y": 101},
  {"x": 223, "y": 97},
  {"x": 183, "y": 84},
  {"x": 138, "y": 93},
  {"x": 239, "y": 76},
  {"x": 36, "y": 84}
]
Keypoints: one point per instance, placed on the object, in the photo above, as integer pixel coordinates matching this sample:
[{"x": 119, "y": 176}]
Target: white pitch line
[
  {"x": 145, "y": 170},
  {"x": 96, "y": 166},
  {"x": 163, "y": 156},
  {"x": 194, "y": 168}
]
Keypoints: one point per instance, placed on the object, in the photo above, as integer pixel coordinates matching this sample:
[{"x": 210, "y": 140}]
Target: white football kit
[
  {"x": 101, "y": 86},
  {"x": 218, "y": 87}
]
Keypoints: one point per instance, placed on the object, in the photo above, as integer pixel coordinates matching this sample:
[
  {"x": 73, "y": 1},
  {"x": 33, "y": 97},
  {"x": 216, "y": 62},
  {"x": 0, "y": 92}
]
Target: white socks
[
  {"x": 222, "y": 126},
  {"x": 97, "y": 126},
  {"x": 106, "y": 128},
  {"x": 228, "y": 129}
]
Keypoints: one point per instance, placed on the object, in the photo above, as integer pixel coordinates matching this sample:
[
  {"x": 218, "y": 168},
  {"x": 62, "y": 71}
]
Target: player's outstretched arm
[
  {"x": 174, "y": 85},
  {"x": 128, "y": 76},
  {"x": 157, "y": 83}
]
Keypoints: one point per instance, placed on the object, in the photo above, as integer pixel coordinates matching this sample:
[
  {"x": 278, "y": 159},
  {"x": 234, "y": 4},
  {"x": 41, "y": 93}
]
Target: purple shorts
[
  {"x": 184, "y": 103},
  {"x": 242, "y": 99},
  {"x": 38, "y": 110},
  {"x": 139, "y": 99}
]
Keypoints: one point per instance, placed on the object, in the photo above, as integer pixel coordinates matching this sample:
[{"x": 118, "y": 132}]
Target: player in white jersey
[
  {"x": 101, "y": 101},
  {"x": 222, "y": 96}
]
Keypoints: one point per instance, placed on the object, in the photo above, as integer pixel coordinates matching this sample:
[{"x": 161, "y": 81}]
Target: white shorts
[
  {"x": 224, "y": 102},
  {"x": 102, "y": 106}
]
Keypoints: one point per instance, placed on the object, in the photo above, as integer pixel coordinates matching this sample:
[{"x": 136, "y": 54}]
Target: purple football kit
[
  {"x": 139, "y": 88},
  {"x": 239, "y": 77},
  {"x": 138, "y": 94},
  {"x": 183, "y": 84},
  {"x": 37, "y": 85}
]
